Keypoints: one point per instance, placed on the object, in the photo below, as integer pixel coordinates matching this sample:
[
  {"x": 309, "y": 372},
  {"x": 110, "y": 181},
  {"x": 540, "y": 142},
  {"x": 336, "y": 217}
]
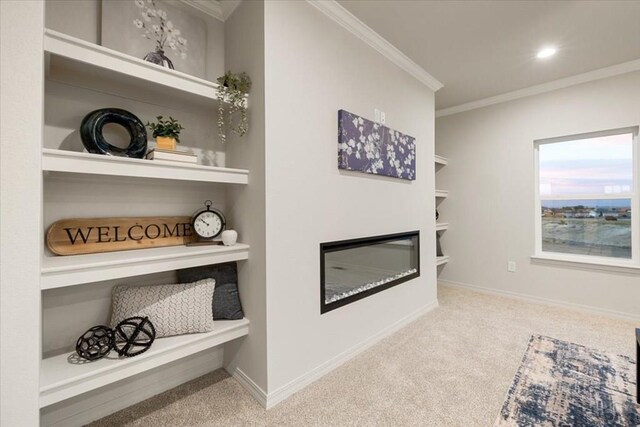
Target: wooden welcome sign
[{"x": 92, "y": 235}]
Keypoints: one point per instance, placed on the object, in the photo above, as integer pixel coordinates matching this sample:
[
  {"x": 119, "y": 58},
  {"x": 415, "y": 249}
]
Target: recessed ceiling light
[{"x": 546, "y": 52}]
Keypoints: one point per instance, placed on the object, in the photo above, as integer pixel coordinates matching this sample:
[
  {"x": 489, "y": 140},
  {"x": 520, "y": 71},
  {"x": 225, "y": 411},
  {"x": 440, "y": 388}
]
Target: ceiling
[{"x": 479, "y": 49}]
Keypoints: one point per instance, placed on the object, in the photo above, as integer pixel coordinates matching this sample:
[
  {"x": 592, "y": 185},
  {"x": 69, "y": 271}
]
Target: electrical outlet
[
  {"x": 383, "y": 118},
  {"x": 511, "y": 266},
  {"x": 376, "y": 115}
]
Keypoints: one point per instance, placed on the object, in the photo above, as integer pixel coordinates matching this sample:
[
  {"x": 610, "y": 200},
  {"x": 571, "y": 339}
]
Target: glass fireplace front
[{"x": 354, "y": 269}]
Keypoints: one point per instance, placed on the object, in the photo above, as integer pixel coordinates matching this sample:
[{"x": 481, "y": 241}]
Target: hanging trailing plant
[{"x": 233, "y": 88}]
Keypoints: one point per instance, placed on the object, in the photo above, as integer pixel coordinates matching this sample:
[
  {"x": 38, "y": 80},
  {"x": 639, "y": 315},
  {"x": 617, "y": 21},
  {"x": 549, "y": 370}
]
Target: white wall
[
  {"x": 313, "y": 68},
  {"x": 244, "y": 48},
  {"x": 21, "y": 82},
  {"x": 490, "y": 176}
]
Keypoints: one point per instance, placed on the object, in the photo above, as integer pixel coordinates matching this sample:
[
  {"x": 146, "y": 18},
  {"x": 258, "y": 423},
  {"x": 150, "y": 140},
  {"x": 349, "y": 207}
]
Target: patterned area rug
[{"x": 564, "y": 384}]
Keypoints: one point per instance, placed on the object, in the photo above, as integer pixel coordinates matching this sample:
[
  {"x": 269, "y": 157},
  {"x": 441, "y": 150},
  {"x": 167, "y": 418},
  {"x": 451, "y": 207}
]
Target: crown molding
[
  {"x": 210, "y": 7},
  {"x": 346, "y": 19},
  {"x": 220, "y": 10},
  {"x": 602, "y": 73},
  {"x": 228, "y": 7}
]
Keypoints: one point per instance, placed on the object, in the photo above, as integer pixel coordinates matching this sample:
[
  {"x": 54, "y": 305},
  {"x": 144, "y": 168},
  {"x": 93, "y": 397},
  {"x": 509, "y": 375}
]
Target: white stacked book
[{"x": 172, "y": 156}]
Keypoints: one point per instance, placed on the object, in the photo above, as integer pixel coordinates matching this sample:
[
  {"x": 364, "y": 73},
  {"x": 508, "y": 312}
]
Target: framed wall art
[
  {"x": 156, "y": 32},
  {"x": 369, "y": 147}
]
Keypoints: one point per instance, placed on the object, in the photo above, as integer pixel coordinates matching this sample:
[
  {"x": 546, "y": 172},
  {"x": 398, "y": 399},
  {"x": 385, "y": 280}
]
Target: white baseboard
[
  {"x": 99, "y": 403},
  {"x": 250, "y": 386},
  {"x": 304, "y": 380},
  {"x": 541, "y": 300}
]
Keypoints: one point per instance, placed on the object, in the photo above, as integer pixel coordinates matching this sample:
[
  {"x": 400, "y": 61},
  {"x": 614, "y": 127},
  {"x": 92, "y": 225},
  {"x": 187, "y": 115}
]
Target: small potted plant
[
  {"x": 166, "y": 132},
  {"x": 233, "y": 89}
]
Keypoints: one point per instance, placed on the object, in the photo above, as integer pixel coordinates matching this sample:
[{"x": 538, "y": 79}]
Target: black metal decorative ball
[
  {"x": 94, "y": 142},
  {"x": 96, "y": 343},
  {"x": 134, "y": 336}
]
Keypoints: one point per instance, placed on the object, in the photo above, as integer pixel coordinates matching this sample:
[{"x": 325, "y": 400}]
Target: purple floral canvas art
[{"x": 370, "y": 147}]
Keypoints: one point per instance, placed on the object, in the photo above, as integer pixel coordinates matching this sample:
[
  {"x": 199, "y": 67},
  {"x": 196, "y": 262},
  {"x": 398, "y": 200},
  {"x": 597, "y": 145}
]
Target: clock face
[{"x": 207, "y": 224}]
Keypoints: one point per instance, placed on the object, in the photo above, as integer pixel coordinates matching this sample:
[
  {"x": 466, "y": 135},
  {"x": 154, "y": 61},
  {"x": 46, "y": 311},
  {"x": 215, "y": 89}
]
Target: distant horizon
[{"x": 588, "y": 204}]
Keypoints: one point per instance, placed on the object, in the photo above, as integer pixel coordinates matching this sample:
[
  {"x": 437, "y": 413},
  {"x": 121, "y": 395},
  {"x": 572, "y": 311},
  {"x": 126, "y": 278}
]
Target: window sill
[{"x": 620, "y": 267}]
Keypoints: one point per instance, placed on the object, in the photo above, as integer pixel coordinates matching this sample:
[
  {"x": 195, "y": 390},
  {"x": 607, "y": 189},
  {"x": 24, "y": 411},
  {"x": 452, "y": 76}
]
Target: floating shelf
[
  {"x": 442, "y": 193},
  {"x": 61, "y": 271},
  {"x": 97, "y": 62},
  {"x": 442, "y": 226},
  {"x": 61, "y": 379},
  {"x": 96, "y": 164},
  {"x": 442, "y": 260},
  {"x": 441, "y": 160}
]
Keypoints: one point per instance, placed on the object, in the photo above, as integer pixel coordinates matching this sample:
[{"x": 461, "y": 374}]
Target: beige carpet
[{"x": 451, "y": 367}]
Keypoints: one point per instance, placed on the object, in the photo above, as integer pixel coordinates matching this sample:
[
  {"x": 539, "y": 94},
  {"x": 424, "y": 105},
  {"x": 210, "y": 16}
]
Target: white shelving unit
[
  {"x": 83, "y": 58},
  {"x": 61, "y": 379},
  {"x": 86, "y": 65},
  {"x": 441, "y": 194},
  {"x": 96, "y": 164},
  {"x": 441, "y": 160},
  {"x": 62, "y": 271},
  {"x": 442, "y": 260},
  {"x": 441, "y": 226}
]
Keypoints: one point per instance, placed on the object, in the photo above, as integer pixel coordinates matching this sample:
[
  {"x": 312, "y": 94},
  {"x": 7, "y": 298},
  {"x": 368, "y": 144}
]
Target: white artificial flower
[
  {"x": 156, "y": 28},
  {"x": 151, "y": 12},
  {"x": 162, "y": 14},
  {"x": 140, "y": 3},
  {"x": 172, "y": 45},
  {"x": 170, "y": 25},
  {"x": 138, "y": 23},
  {"x": 182, "y": 41}
]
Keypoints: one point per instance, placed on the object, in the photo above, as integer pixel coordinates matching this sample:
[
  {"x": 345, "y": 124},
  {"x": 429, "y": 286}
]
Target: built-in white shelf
[
  {"x": 97, "y": 164},
  {"x": 61, "y": 271},
  {"x": 441, "y": 160},
  {"x": 442, "y": 193},
  {"x": 442, "y": 226},
  {"x": 61, "y": 379},
  {"x": 442, "y": 260},
  {"x": 83, "y": 58}
]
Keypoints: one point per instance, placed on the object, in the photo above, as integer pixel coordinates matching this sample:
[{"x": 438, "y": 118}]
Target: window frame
[{"x": 587, "y": 260}]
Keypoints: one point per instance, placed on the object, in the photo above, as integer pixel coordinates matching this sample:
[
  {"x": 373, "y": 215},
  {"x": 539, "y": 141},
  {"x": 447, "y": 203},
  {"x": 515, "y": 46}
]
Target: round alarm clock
[{"x": 208, "y": 223}]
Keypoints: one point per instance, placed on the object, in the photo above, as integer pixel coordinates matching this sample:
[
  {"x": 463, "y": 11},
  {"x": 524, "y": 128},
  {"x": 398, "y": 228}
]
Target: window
[{"x": 587, "y": 197}]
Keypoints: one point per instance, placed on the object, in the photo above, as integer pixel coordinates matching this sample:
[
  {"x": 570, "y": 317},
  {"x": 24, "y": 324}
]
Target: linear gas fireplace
[{"x": 354, "y": 269}]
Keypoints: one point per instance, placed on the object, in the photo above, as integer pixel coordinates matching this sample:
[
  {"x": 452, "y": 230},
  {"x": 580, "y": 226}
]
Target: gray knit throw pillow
[{"x": 173, "y": 309}]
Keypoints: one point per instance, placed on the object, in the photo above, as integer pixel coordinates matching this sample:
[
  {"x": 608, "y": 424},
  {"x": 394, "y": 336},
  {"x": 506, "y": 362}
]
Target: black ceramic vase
[
  {"x": 94, "y": 141},
  {"x": 158, "y": 57}
]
